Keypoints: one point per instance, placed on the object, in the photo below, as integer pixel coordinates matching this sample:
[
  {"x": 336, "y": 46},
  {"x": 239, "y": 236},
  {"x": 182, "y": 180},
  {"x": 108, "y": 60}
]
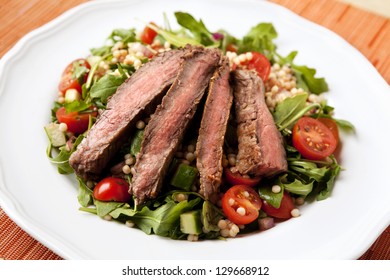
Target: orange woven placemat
[
  {"x": 368, "y": 32},
  {"x": 16, "y": 244}
]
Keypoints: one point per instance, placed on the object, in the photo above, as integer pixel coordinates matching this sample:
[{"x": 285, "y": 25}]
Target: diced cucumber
[
  {"x": 94, "y": 59},
  {"x": 184, "y": 177},
  {"x": 190, "y": 222},
  {"x": 72, "y": 95},
  {"x": 56, "y": 136}
]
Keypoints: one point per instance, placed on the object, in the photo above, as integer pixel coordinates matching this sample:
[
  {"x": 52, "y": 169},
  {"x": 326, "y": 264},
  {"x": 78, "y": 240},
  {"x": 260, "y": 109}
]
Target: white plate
[{"x": 44, "y": 203}]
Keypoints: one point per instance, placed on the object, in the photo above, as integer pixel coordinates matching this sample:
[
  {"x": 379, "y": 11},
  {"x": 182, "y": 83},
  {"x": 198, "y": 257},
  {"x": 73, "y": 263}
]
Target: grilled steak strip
[
  {"x": 143, "y": 91},
  {"x": 260, "y": 144},
  {"x": 209, "y": 147},
  {"x": 167, "y": 126}
]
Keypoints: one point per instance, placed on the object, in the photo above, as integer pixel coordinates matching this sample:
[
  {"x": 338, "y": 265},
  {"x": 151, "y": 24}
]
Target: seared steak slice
[
  {"x": 142, "y": 91},
  {"x": 167, "y": 126},
  {"x": 209, "y": 148},
  {"x": 260, "y": 144}
]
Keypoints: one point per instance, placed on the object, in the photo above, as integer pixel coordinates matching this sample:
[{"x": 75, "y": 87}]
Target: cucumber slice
[
  {"x": 72, "y": 95},
  {"x": 57, "y": 137},
  {"x": 184, "y": 177},
  {"x": 190, "y": 222}
]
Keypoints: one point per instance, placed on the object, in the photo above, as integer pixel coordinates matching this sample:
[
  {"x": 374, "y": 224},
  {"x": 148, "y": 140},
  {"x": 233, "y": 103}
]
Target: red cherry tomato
[
  {"x": 313, "y": 139},
  {"x": 331, "y": 124},
  {"x": 77, "y": 122},
  {"x": 112, "y": 189},
  {"x": 68, "y": 80},
  {"x": 261, "y": 64},
  {"x": 284, "y": 211},
  {"x": 237, "y": 179},
  {"x": 245, "y": 198},
  {"x": 148, "y": 34}
]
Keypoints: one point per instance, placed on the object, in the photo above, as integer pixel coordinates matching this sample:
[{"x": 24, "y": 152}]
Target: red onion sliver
[
  {"x": 217, "y": 36},
  {"x": 266, "y": 223}
]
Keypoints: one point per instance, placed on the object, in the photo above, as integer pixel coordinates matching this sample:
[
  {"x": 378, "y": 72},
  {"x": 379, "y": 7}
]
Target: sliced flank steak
[
  {"x": 141, "y": 93},
  {"x": 260, "y": 144},
  {"x": 167, "y": 126},
  {"x": 209, "y": 147}
]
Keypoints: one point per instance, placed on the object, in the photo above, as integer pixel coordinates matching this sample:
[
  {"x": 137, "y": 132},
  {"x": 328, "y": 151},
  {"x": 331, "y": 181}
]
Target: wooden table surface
[{"x": 368, "y": 32}]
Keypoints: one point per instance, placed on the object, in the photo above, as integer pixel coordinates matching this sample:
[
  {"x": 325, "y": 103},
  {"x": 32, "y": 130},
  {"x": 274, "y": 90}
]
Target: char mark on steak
[
  {"x": 260, "y": 144},
  {"x": 142, "y": 92},
  {"x": 167, "y": 126},
  {"x": 209, "y": 147}
]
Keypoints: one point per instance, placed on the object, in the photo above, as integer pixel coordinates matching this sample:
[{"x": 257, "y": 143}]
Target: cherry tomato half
[
  {"x": 261, "y": 64},
  {"x": 77, "y": 122},
  {"x": 284, "y": 211},
  {"x": 237, "y": 179},
  {"x": 245, "y": 198},
  {"x": 313, "y": 139},
  {"x": 331, "y": 124},
  {"x": 68, "y": 81},
  {"x": 148, "y": 34},
  {"x": 112, "y": 189}
]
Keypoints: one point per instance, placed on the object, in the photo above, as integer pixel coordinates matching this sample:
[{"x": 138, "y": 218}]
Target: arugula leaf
[
  {"x": 290, "y": 110},
  {"x": 101, "y": 51},
  {"x": 106, "y": 86},
  {"x": 136, "y": 141},
  {"x": 54, "y": 109},
  {"x": 197, "y": 28},
  {"x": 305, "y": 76},
  {"x": 117, "y": 35},
  {"x": 162, "y": 221},
  {"x": 85, "y": 194},
  {"x": 327, "y": 190},
  {"x": 104, "y": 208},
  {"x": 79, "y": 71},
  {"x": 62, "y": 159},
  {"x": 259, "y": 39},
  {"x": 345, "y": 125},
  {"x": 299, "y": 187},
  {"x": 308, "y": 169},
  {"x": 77, "y": 106},
  {"x": 123, "y": 35},
  {"x": 274, "y": 199},
  {"x": 310, "y": 179},
  {"x": 193, "y": 32},
  {"x": 174, "y": 38},
  {"x": 123, "y": 212}
]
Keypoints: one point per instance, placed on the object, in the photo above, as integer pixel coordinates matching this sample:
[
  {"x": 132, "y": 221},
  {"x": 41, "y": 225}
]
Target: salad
[{"x": 245, "y": 204}]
